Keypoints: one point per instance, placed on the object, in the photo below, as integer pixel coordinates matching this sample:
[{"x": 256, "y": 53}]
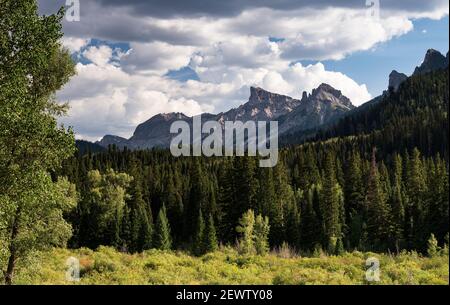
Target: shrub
[{"x": 433, "y": 248}]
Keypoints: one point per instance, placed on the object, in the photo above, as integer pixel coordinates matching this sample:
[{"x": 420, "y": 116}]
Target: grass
[{"x": 107, "y": 266}]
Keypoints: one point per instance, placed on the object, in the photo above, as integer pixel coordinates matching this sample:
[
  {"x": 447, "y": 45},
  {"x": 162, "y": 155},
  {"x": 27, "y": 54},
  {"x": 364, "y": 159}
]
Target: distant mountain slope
[
  {"x": 414, "y": 116},
  {"x": 434, "y": 61},
  {"x": 86, "y": 146}
]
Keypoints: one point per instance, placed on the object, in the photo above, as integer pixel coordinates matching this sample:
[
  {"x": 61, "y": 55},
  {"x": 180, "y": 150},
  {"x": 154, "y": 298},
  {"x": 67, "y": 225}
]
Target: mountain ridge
[
  {"x": 324, "y": 104},
  {"x": 322, "y": 107}
]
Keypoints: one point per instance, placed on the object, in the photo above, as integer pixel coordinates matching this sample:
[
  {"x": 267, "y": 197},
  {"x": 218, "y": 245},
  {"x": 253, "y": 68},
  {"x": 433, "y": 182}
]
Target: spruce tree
[
  {"x": 198, "y": 246},
  {"x": 209, "y": 236},
  {"x": 162, "y": 237},
  {"x": 332, "y": 201},
  {"x": 310, "y": 233},
  {"x": 398, "y": 200},
  {"x": 418, "y": 201},
  {"x": 354, "y": 199},
  {"x": 378, "y": 221}
]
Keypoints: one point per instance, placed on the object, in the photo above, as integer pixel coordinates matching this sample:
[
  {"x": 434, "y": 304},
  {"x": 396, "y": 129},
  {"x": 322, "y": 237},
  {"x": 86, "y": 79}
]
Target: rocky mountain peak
[
  {"x": 395, "y": 79},
  {"x": 112, "y": 140},
  {"x": 322, "y": 106},
  {"x": 259, "y": 95},
  {"x": 169, "y": 116},
  {"x": 326, "y": 93},
  {"x": 434, "y": 60},
  {"x": 304, "y": 96}
]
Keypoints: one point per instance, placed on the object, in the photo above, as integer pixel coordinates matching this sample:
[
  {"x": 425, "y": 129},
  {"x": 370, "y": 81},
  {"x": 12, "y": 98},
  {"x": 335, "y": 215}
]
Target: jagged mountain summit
[
  {"x": 322, "y": 106},
  {"x": 395, "y": 79},
  {"x": 433, "y": 61},
  {"x": 261, "y": 106}
]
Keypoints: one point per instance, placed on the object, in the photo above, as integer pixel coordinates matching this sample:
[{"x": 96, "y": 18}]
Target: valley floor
[{"x": 107, "y": 266}]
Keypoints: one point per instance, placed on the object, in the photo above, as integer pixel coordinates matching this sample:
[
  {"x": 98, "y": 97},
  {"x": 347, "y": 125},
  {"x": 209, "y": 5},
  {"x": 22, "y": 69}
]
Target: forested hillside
[
  {"x": 416, "y": 115},
  {"x": 378, "y": 180}
]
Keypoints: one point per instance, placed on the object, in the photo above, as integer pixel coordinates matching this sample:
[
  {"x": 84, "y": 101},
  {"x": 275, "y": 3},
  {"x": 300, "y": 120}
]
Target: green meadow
[{"x": 226, "y": 266}]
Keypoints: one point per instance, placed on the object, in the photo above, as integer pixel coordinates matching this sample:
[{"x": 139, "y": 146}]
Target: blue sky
[{"x": 402, "y": 54}]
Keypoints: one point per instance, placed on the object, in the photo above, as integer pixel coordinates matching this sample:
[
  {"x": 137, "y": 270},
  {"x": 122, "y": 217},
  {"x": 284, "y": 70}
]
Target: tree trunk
[{"x": 9, "y": 274}]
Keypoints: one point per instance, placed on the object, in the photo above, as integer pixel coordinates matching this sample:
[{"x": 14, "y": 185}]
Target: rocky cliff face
[
  {"x": 261, "y": 106},
  {"x": 322, "y": 106},
  {"x": 395, "y": 79},
  {"x": 156, "y": 131}
]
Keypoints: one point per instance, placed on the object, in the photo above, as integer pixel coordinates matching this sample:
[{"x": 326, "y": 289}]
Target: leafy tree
[
  {"x": 105, "y": 207},
  {"x": 33, "y": 66},
  {"x": 246, "y": 228},
  {"x": 433, "y": 248},
  {"x": 261, "y": 232}
]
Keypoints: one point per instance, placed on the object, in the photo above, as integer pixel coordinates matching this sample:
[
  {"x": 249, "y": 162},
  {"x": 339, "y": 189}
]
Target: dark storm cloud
[
  {"x": 171, "y": 8},
  {"x": 220, "y": 8}
]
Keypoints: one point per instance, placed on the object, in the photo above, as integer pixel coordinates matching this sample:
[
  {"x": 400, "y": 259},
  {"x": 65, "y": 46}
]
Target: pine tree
[
  {"x": 280, "y": 207},
  {"x": 198, "y": 246},
  {"x": 332, "y": 204},
  {"x": 198, "y": 197},
  {"x": 310, "y": 233},
  {"x": 398, "y": 200},
  {"x": 174, "y": 203},
  {"x": 227, "y": 213},
  {"x": 354, "y": 199},
  {"x": 438, "y": 211},
  {"x": 162, "y": 237},
  {"x": 417, "y": 194},
  {"x": 209, "y": 236},
  {"x": 266, "y": 192},
  {"x": 339, "y": 247},
  {"x": 138, "y": 218},
  {"x": 378, "y": 218}
]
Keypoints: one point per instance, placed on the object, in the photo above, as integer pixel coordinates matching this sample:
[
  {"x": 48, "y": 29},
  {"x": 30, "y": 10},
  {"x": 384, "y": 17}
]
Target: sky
[{"x": 138, "y": 58}]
